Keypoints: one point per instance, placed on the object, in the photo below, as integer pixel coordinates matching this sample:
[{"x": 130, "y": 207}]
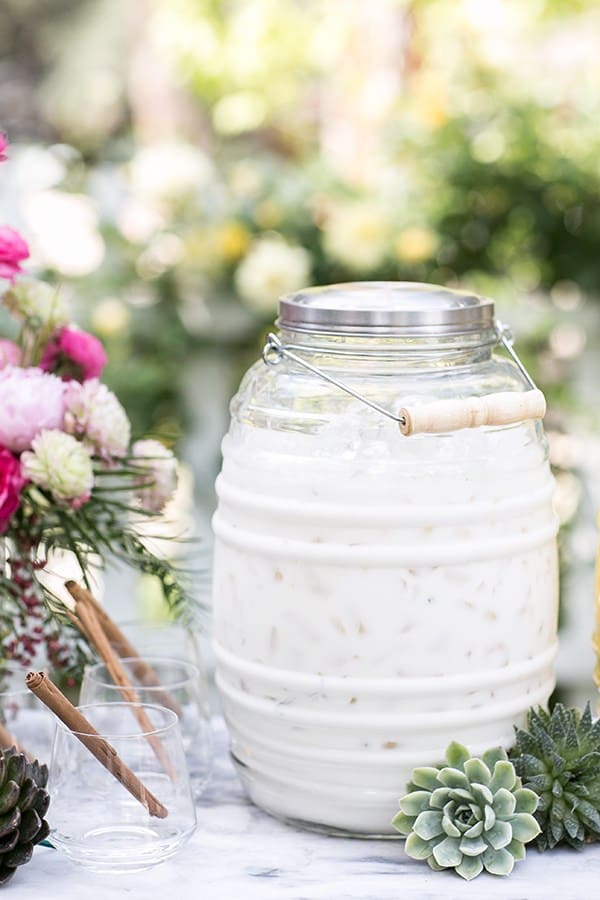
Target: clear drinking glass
[
  {"x": 22, "y": 714},
  {"x": 180, "y": 687},
  {"x": 94, "y": 819}
]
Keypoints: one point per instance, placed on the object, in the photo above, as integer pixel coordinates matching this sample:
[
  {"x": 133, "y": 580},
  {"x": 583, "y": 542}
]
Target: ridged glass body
[{"x": 376, "y": 596}]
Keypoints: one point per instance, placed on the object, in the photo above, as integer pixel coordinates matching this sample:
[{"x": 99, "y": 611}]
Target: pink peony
[
  {"x": 13, "y": 250},
  {"x": 10, "y": 353},
  {"x": 30, "y": 400},
  {"x": 11, "y": 482},
  {"x": 3, "y": 147},
  {"x": 74, "y": 355}
]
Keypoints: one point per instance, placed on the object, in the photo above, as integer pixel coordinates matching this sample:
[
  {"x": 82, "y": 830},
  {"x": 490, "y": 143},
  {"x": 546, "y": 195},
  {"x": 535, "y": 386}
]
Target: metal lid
[{"x": 385, "y": 308}]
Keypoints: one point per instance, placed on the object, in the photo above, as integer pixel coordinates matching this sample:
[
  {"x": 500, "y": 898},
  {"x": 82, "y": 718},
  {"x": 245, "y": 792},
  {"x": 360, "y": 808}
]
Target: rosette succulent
[
  {"x": 472, "y": 814},
  {"x": 23, "y": 804},
  {"x": 558, "y": 757}
]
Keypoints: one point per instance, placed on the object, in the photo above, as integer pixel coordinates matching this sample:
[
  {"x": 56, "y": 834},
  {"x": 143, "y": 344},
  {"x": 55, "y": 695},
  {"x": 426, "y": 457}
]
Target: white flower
[
  {"x": 59, "y": 463},
  {"x": 158, "y": 486},
  {"x": 94, "y": 414},
  {"x": 169, "y": 170},
  {"x": 270, "y": 269},
  {"x": 356, "y": 234},
  {"x": 33, "y": 299}
]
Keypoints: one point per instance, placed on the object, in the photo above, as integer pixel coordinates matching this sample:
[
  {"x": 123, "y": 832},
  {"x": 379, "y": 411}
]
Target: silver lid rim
[{"x": 463, "y": 312}]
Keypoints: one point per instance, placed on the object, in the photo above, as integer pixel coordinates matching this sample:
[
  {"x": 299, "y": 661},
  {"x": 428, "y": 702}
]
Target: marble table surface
[{"x": 240, "y": 853}]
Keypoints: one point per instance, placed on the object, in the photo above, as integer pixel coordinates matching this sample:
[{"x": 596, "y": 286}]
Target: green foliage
[{"x": 558, "y": 757}]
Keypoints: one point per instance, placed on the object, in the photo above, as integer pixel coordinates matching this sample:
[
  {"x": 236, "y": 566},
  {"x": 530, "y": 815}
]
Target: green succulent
[
  {"x": 558, "y": 757},
  {"x": 471, "y": 815},
  {"x": 23, "y": 805}
]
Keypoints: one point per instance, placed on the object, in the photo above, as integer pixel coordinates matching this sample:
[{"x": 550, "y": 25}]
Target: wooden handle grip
[{"x": 471, "y": 412}]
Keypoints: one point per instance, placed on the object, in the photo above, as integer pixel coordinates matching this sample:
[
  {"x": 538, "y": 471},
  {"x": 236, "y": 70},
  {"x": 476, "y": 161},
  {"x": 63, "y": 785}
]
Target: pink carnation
[
  {"x": 10, "y": 353},
  {"x": 3, "y": 147},
  {"x": 11, "y": 482},
  {"x": 13, "y": 250},
  {"x": 30, "y": 400},
  {"x": 74, "y": 355}
]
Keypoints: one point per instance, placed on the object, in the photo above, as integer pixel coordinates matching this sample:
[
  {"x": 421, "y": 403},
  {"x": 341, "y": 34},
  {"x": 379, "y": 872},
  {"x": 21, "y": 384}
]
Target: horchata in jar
[{"x": 385, "y": 571}]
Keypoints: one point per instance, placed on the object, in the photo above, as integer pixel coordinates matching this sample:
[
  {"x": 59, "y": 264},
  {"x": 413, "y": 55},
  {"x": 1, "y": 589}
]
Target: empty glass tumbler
[
  {"x": 180, "y": 687},
  {"x": 94, "y": 818}
]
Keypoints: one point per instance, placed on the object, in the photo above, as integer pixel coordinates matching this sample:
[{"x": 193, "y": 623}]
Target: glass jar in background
[
  {"x": 180, "y": 687},
  {"x": 172, "y": 640},
  {"x": 377, "y": 596}
]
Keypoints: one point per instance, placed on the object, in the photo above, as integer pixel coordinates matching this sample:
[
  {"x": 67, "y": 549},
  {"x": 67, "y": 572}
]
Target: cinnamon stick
[
  {"x": 8, "y": 740},
  {"x": 124, "y": 648},
  {"x": 86, "y": 615},
  {"x": 105, "y": 753}
]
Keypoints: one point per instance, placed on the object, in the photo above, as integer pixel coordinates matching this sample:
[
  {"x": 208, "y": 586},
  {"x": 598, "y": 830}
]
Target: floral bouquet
[{"x": 70, "y": 478}]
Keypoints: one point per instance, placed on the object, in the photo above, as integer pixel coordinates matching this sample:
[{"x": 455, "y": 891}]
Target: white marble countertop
[{"x": 240, "y": 853}]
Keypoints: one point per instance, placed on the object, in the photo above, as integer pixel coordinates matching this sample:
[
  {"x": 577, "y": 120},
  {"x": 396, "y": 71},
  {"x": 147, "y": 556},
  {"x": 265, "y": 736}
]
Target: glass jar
[{"x": 377, "y": 596}]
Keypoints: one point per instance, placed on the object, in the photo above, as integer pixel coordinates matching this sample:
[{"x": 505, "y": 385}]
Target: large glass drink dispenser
[{"x": 385, "y": 576}]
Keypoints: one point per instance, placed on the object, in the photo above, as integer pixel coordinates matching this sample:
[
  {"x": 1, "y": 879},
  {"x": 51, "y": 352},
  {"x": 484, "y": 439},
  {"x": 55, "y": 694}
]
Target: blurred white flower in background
[
  {"x": 169, "y": 170},
  {"x": 110, "y": 317},
  {"x": 33, "y": 299},
  {"x": 270, "y": 269},
  {"x": 157, "y": 484},
  {"x": 138, "y": 219},
  {"x": 357, "y": 234},
  {"x": 64, "y": 231}
]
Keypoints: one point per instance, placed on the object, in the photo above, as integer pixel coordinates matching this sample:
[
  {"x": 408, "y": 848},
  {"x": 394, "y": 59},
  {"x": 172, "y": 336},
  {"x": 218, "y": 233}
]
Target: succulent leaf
[
  {"x": 476, "y": 770},
  {"x": 428, "y": 824},
  {"x": 494, "y": 755},
  {"x": 503, "y": 777},
  {"x": 470, "y": 867},
  {"x": 505, "y": 803},
  {"x": 471, "y": 817},
  {"x": 453, "y": 778},
  {"x": 415, "y": 803},
  {"x": 425, "y": 777},
  {"x": 416, "y": 847},
  {"x": 448, "y": 853},
  {"x": 457, "y": 755},
  {"x": 498, "y": 862}
]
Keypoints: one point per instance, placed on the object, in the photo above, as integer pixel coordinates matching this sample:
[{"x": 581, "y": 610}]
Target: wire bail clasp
[{"x": 274, "y": 351}]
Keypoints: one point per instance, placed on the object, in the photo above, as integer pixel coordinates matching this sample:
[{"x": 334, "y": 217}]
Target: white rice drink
[{"x": 378, "y": 595}]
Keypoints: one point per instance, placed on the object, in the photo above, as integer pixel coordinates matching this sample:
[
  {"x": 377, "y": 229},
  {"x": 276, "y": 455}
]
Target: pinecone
[
  {"x": 558, "y": 757},
  {"x": 23, "y": 805}
]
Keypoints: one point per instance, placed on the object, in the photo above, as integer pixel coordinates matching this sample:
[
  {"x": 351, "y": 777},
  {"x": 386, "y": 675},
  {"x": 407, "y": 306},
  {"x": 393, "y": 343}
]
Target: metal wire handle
[{"x": 274, "y": 351}]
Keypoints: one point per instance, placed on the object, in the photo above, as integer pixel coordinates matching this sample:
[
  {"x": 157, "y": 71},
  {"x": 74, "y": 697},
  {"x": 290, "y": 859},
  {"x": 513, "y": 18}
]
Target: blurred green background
[{"x": 178, "y": 164}]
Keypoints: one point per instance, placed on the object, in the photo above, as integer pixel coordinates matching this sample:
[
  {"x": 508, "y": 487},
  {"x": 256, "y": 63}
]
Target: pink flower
[
  {"x": 11, "y": 482},
  {"x": 10, "y": 353},
  {"x": 30, "y": 400},
  {"x": 74, "y": 354},
  {"x": 13, "y": 250},
  {"x": 3, "y": 147}
]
